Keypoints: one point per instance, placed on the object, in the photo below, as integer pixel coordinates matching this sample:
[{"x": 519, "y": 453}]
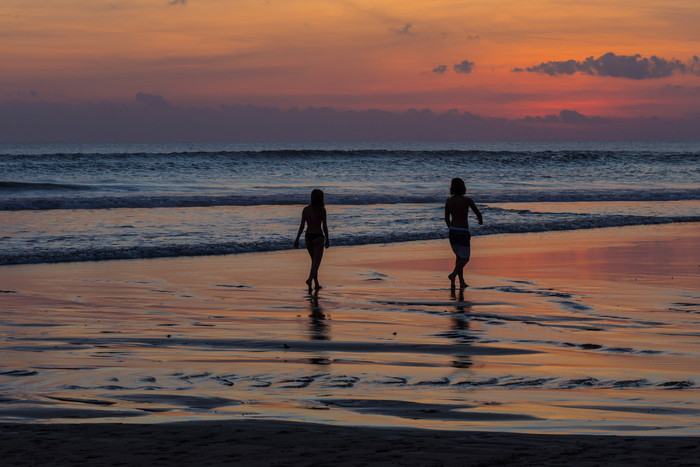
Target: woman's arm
[
  {"x": 301, "y": 229},
  {"x": 324, "y": 225}
]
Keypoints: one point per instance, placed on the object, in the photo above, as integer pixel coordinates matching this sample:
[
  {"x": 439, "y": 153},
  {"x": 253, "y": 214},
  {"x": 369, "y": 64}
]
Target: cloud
[
  {"x": 618, "y": 66},
  {"x": 177, "y": 2},
  {"x": 403, "y": 31},
  {"x": 694, "y": 65},
  {"x": 20, "y": 93},
  {"x": 569, "y": 117},
  {"x": 152, "y": 100},
  {"x": 32, "y": 121},
  {"x": 465, "y": 67}
]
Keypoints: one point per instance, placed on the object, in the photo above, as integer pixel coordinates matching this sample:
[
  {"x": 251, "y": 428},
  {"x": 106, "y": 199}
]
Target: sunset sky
[{"x": 495, "y": 58}]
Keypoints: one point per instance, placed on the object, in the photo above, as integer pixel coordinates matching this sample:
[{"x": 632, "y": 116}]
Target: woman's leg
[
  {"x": 310, "y": 249},
  {"x": 316, "y": 257}
]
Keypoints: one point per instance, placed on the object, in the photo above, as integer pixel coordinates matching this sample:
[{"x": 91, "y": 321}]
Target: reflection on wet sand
[
  {"x": 319, "y": 328},
  {"x": 460, "y": 327}
]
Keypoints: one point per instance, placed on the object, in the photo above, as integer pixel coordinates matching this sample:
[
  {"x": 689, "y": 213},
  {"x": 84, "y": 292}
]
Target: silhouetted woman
[
  {"x": 314, "y": 216},
  {"x": 456, "y": 213}
]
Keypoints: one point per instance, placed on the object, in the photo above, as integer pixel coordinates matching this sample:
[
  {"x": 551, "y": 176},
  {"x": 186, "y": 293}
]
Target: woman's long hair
[
  {"x": 458, "y": 187},
  {"x": 318, "y": 203}
]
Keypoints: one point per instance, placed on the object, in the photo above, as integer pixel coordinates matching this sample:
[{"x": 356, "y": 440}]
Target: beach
[
  {"x": 263, "y": 443},
  {"x": 564, "y": 343}
]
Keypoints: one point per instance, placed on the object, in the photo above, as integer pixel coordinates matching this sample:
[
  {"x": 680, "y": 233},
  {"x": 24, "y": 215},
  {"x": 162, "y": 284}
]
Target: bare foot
[
  {"x": 308, "y": 283},
  {"x": 463, "y": 285},
  {"x": 452, "y": 277}
]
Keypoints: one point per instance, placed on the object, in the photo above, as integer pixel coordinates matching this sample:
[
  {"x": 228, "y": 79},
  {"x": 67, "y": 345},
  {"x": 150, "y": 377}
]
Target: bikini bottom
[{"x": 310, "y": 237}]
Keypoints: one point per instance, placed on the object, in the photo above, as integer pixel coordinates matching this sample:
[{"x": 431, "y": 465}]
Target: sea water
[{"x": 83, "y": 202}]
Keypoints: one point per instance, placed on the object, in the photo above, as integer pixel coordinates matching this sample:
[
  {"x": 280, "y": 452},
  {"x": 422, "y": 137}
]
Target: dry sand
[{"x": 571, "y": 348}]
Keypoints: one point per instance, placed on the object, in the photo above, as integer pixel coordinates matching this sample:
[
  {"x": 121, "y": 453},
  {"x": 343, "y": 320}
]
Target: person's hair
[
  {"x": 318, "y": 203},
  {"x": 457, "y": 187}
]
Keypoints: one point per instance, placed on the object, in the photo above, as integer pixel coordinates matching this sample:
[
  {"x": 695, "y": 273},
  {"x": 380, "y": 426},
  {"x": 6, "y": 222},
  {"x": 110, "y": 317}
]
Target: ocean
[{"x": 89, "y": 202}]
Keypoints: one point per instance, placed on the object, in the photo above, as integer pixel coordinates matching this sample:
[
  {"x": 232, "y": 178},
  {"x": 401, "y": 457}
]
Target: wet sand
[{"x": 560, "y": 338}]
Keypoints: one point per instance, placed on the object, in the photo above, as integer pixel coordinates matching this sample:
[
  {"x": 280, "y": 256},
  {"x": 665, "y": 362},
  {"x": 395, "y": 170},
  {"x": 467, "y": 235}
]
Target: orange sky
[{"x": 350, "y": 54}]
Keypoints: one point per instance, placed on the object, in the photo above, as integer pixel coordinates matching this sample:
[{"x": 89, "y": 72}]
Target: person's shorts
[{"x": 460, "y": 241}]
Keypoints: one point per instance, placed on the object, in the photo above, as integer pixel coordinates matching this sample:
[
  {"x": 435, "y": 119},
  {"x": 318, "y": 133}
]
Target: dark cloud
[
  {"x": 177, "y": 2},
  {"x": 473, "y": 37},
  {"x": 440, "y": 69},
  {"x": 465, "y": 67},
  {"x": 32, "y": 121},
  {"x": 568, "y": 67},
  {"x": 569, "y": 117},
  {"x": 152, "y": 100},
  {"x": 618, "y": 66},
  {"x": 403, "y": 31},
  {"x": 31, "y": 93},
  {"x": 694, "y": 65}
]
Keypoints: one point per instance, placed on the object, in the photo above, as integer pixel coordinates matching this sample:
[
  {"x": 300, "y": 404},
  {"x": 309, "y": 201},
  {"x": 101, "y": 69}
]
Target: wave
[
  {"x": 145, "y": 200},
  {"x": 278, "y": 243},
  {"x": 564, "y": 151},
  {"x": 29, "y": 186}
]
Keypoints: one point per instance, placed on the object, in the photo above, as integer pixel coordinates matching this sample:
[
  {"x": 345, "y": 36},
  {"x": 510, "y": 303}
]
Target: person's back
[
  {"x": 314, "y": 220},
  {"x": 458, "y": 210}
]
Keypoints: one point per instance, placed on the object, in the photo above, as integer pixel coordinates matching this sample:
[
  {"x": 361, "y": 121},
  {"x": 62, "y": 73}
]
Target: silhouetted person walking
[
  {"x": 314, "y": 216},
  {"x": 456, "y": 213}
]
